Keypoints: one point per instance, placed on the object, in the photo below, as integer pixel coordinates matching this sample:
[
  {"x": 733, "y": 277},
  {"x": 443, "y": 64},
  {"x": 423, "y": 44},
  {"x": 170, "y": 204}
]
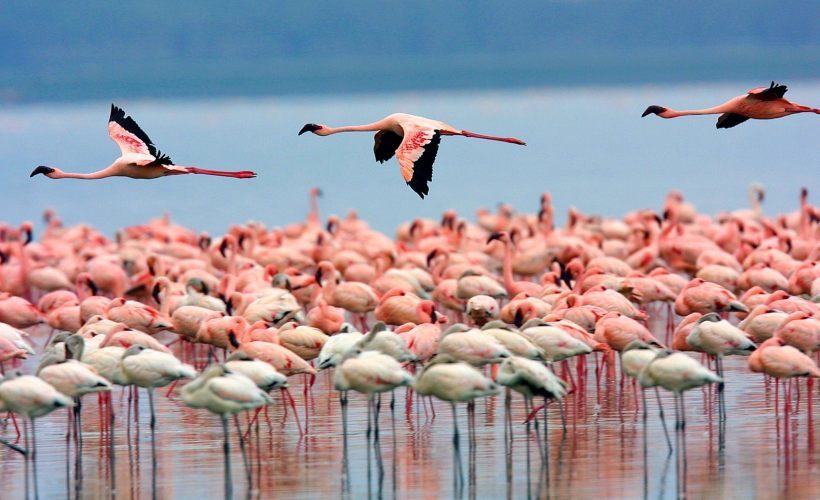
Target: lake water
[
  {"x": 588, "y": 146},
  {"x": 766, "y": 455}
]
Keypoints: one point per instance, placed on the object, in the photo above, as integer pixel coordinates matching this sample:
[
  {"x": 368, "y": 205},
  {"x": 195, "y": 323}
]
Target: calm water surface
[{"x": 600, "y": 455}]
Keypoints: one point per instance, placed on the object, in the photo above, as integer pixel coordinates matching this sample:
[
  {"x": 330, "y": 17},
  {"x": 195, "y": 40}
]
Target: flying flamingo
[
  {"x": 140, "y": 157},
  {"x": 762, "y": 103},
  {"x": 413, "y": 139}
]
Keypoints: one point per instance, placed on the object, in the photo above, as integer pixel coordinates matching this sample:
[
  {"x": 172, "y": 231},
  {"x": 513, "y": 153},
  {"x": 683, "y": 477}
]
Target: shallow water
[
  {"x": 600, "y": 455},
  {"x": 589, "y": 146}
]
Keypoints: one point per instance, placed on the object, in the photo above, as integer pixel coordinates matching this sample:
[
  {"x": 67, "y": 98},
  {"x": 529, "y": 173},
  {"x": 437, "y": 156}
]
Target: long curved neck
[
  {"x": 100, "y": 174},
  {"x": 673, "y": 113},
  {"x": 509, "y": 283},
  {"x": 370, "y": 127}
]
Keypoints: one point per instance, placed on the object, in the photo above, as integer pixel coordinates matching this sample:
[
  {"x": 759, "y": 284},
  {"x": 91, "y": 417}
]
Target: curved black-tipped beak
[
  {"x": 222, "y": 247},
  {"x": 518, "y": 320},
  {"x": 318, "y": 277},
  {"x": 29, "y": 237},
  {"x": 434, "y": 316},
  {"x": 431, "y": 256},
  {"x": 92, "y": 286},
  {"x": 653, "y": 110},
  {"x": 155, "y": 293},
  {"x": 41, "y": 170},
  {"x": 309, "y": 127},
  {"x": 493, "y": 236}
]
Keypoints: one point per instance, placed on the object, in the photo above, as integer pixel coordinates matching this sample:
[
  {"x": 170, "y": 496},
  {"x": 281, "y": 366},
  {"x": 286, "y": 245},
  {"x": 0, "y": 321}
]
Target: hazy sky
[{"x": 154, "y": 48}]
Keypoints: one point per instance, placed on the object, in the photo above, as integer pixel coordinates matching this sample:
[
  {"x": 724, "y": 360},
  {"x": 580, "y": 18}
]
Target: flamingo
[
  {"x": 413, "y": 139},
  {"x": 31, "y": 397},
  {"x": 335, "y": 348},
  {"x": 140, "y": 157},
  {"x": 224, "y": 392},
  {"x": 369, "y": 372},
  {"x": 454, "y": 381},
  {"x": 761, "y": 103},
  {"x": 677, "y": 372},
  {"x": 148, "y": 369},
  {"x": 530, "y": 379}
]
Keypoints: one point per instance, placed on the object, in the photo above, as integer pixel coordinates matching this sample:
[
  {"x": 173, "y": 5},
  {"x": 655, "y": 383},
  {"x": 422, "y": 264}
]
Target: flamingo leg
[
  {"x": 227, "y": 454},
  {"x": 241, "y": 174},
  {"x": 663, "y": 420}
]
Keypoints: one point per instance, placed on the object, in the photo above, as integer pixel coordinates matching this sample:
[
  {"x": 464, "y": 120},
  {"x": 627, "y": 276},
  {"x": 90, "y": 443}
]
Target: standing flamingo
[
  {"x": 224, "y": 393},
  {"x": 677, "y": 372},
  {"x": 140, "y": 157},
  {"x": 31, "y": 397},
  {"x": 413, "y": 139},
  {"x": 762, "y": 103}
]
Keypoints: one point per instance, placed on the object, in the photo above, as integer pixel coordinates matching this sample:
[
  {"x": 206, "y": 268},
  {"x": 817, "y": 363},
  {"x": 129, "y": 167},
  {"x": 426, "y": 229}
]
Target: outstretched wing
[
  {"x": 131, "y": 138},
  {"x": 773, "y": 92},
  {"x": 385, "y": 145},
  {"x": 729, "y": 120},
  {"x": 416, "y": 155}
]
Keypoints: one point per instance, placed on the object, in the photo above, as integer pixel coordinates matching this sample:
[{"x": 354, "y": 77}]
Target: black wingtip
[
  {"x": 309, "y": 127},
  {"x": 41, "y": 170}
]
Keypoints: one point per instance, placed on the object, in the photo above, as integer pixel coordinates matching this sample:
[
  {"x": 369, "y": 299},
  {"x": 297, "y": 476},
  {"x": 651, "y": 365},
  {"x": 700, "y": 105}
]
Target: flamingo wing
[
  {"x": 416, "y": 155},
  {"x": 729, "y": 120},
  {"x": 386, "y": 144},
  {"x": 131, "y": 138},
  {"x": 771, "y": 93}
]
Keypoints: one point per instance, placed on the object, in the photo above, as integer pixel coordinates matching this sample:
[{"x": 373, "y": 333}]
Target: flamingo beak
[
  {"x": 41, "y": 170},
  {"x": 93, "y": 287},
  {"x": 309, "y": 127},
  {"x": 318, "y": 277},
  {"x": 223, "y": 246},
  {"x": 433, "y": 316},
  {"x": 653, "y": 110},
  {"x": 155, "y": 293},
  {"x": 493, "y": 236}
]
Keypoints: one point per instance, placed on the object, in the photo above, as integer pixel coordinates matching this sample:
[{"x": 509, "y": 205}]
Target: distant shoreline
[{"x": 251, "y": 78}]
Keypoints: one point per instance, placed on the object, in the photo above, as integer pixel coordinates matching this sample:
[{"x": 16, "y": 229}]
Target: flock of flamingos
[{"x": 427, "y": 310}]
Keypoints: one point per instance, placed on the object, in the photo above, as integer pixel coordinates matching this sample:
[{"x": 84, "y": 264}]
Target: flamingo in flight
[
  {"x": 762, "y": 103},
  {"x": 140, "y": 157},
  {"x": 413, "y": 139}
]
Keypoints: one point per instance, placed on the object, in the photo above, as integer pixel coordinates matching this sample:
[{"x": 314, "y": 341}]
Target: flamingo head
[
  {"x": 655, "y": 110},
  {"x": 313, "y": 127},
  {"x": 47, "y": 171},
  {"x": 500, "y": 236}
]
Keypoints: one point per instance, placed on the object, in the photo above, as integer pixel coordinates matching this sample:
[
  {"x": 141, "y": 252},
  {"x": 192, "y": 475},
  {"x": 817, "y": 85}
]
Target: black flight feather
[
  {"x": 423, "y": 168},
  {"x": 729, "y": 120},
  {"x": 385, "y": 145},
  {"x": 774, "y": 92},
  {"x": 128, "y": 123}
]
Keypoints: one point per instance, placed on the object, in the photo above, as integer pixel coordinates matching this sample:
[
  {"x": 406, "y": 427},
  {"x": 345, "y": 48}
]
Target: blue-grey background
[{"x": 228, "y": 85}]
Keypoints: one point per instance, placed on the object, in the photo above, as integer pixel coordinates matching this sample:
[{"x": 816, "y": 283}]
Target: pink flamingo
[
  {"x": 413, "y": 139},
  {"x": 397, "y": 307},
  {"x": 762, "y": 103},
  {"x": 513, "y": 287},
  {"x": 140, "y": 157}
]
